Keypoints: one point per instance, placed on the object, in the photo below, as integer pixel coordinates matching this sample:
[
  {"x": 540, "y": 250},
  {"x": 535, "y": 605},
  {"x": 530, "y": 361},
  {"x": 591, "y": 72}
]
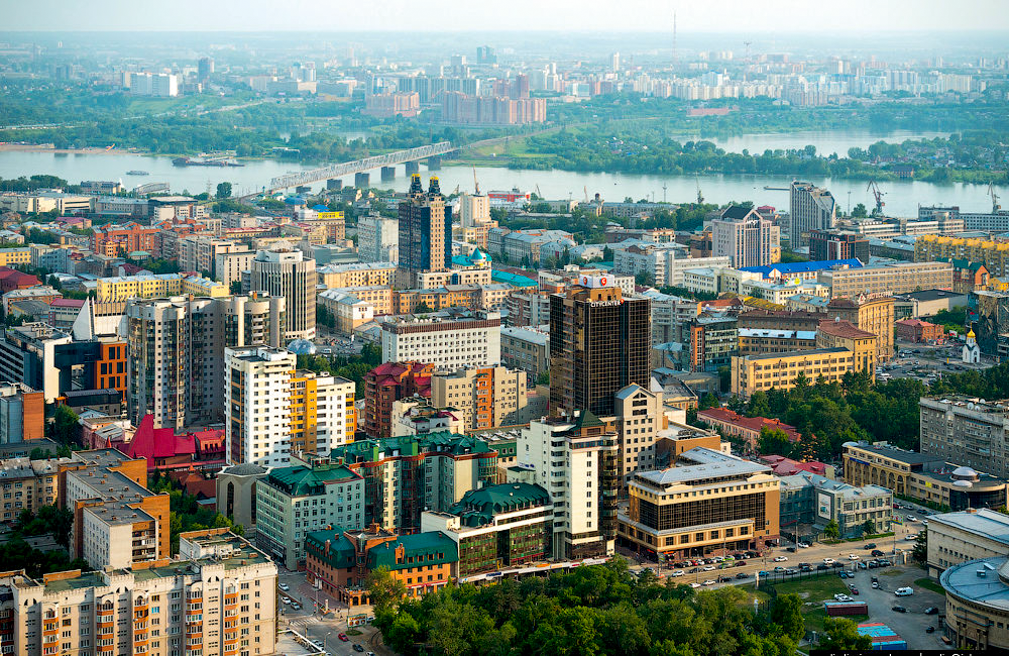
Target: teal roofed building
[
  {"x": 406, "y": 475},
  {"x": 339, "y": 561},
  {"x": 309, "y": 496},
  {"x": 497, "y": 526}
]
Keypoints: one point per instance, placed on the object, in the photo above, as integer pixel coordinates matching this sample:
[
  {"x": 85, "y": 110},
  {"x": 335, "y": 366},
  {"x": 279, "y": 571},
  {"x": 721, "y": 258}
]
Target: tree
[
  {"x": 224, "y": 190},
  {"x": 774, "y": 441},
  {"x": 839, "y": 633},
  {"x": 65, "y": 425},
  {"x": 832, "y": 530},
  {"x": 422, "y": 308},
  {"x": 786, "y": 612},
  {"x": 869, "y": 527},
  {"x": 384, "y": 589},
  {"x": 920, "y": 551},
  {"x": 235, "y": 287},
  {"x": 543, "y": 377},
  {"x": 859, "y": 211}
]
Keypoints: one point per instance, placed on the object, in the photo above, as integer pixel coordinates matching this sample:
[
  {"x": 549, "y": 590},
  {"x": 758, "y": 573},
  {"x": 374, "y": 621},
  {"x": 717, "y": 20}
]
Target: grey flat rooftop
[
  {"x": 988, "y": 523},
  {"x": 790, "y": 354},
  {"x": 710, "y": 465},
  {"x": 990, "y": 590},
  {"x": 907, "y": 457}
]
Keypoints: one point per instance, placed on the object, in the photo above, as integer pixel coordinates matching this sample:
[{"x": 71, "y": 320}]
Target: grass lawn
[
  {"x": 822, "y": 588},
  {"x": 929, "y": 584},
  {"x": 814, "y": 619},
  {"x": 891, "y": 572}
]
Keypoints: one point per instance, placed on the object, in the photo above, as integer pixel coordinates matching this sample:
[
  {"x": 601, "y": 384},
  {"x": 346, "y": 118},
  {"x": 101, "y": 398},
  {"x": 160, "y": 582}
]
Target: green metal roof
[
  {"x": 302, "y": 481},
  {"x": 440, "y": 442},
  {"x": 478, "y": 507},
  {"x": 419, "y": 545},
  {"x": 341, "y": 550}
]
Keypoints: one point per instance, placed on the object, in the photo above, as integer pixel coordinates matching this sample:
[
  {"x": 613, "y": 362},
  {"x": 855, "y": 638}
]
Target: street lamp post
[{"x": 325, "y": 642}]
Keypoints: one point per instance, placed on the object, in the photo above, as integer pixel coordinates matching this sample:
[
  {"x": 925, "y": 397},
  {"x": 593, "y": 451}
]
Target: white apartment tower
[
  {"x": 743, "y": 236},
  {"x": 288, "y": 274},
  {"x": 810, "y": 208},
  {"x": 575, "y": 461},
  {"x": 377, "y": 239},
  {"x": 449, "y": 339},
  {"x": 258, "y": 425}
]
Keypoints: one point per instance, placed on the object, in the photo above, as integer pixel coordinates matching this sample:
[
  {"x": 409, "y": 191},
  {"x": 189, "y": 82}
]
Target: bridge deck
[{"x": 360, "y": 165}]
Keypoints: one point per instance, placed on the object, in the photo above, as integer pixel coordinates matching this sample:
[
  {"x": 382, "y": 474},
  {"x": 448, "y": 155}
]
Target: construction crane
[
  {"x": 700, "y": 197},
  {"x": 878, "y": 195},
  {"x": 538, "y": 192},
  {"x": 995, "y": 207},
  {"x": 586, "y": 189}
]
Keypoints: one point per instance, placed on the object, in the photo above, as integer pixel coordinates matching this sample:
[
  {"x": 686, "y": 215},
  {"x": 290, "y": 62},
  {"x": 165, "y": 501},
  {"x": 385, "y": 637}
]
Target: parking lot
[{"x": 911, "y": 625}]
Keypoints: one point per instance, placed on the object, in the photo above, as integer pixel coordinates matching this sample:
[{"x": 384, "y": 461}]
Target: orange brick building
[
  {"x": 340, "y": 561},
  {"x": 113, "y": 240},
  {"x": 388, "y": 383},
  {"x": 916, "y": 330}
]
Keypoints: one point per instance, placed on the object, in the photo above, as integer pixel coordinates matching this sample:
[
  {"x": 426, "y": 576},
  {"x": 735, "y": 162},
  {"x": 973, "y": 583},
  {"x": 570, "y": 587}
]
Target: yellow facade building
[
  {"x": 358, "y": 274},
  {"x": 844, "y": 334},
  {"x": 994, "y": 254},
  {"x": 122, "y": 288},
  {"x": 752, "y": 373}
]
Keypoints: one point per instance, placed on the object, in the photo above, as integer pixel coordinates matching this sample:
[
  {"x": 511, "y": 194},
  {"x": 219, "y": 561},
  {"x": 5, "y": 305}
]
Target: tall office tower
[
  {"x": 599, "y": 344},
  {"x": 575, "y": 461},
  {"x": 288, "y": 274},
  {"x": 377, "y": 239},
  {"x": 810, "y": 208},
  {"x": 485, "y": 55},
  {"x": 176, "y": 351},
  {"x": 744, "y": 236},
  {"x": 425, "y": 232},
  {"x": 615, "y": 62},
  {"x": 258, "y": 384},
  {"x": 204, "y": 68}
]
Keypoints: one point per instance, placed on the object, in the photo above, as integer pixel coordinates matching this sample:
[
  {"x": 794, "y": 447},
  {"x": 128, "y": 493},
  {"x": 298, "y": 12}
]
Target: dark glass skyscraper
[
  {"x": 599, "y": 343},
  {"x": 425, "y": 231}
]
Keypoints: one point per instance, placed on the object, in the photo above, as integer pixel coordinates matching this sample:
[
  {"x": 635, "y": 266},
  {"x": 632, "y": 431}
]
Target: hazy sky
[{"x": 779, "y": 16}]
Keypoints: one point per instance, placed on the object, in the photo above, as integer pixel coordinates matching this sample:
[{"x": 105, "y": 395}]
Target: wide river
[{"x": 902, "y": 198}]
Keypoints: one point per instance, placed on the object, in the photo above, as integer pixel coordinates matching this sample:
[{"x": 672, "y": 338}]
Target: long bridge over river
[{"x": 359, "y": 168}]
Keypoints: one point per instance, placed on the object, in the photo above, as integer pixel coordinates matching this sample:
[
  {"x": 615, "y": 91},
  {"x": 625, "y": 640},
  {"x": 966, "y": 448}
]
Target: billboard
[
  {"x": 595, "y": 282},
  {"x": 823, "y": 505}
]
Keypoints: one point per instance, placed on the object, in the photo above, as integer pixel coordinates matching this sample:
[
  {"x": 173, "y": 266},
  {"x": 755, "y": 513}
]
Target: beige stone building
[
  {"x": 711, "y": 503},
  {"x": 900, "y": 278},
  {"x": 870, "y": 313},
  {"x": 218, "y": 598},
  {"x": 29, "y": 485},
  {"x": 751, "y": 373},
  {"x": 358, "y": 274},
  {"x": 485, "y": 397},
  {"x": 843, "y": 334},
  {"x": 958, "y": 537}
]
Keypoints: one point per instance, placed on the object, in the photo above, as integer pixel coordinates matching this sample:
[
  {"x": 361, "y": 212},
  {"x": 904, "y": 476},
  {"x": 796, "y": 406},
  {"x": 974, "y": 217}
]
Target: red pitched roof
[
  {"x": 750, "y": 423},
  {"x": 150, "y": 442}
]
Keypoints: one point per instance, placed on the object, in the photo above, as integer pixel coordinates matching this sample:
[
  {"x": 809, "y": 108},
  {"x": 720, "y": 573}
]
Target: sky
[{"x": 754, "y": 16}]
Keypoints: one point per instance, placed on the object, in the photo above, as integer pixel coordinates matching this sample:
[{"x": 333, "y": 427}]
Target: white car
[
  {"x": 709, "y": 568},
  {"x": 780, "y": 559},
  {"x": 677, "y": 572},
  {"x": 912, "y": 519},
  {"x": 853, "y": 557},
  {"x": 911, "y": 536},
  {"x": 286, "y": 600},
  {"x": 283, "y": 586},
  {"x": 709, "y": 582},
  {"x": 828, "y": 561},
  {"x": 803, "y": 545},
  {"x": 695, "y": 585}
]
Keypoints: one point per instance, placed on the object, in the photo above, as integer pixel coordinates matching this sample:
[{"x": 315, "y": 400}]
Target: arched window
[
  {"x": 230, "y": 507},
  {"x": 253, "y": 519}
]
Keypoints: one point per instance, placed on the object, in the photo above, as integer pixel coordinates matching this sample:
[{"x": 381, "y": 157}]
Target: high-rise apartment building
[
  {"x": 600, "y": 342},
  {"x": 190, "y": 605},
  {"x": 744, "y": 236},
  {"x": 377, "y": 239},
  {"x": 288, "y": 274},
  {"x": 176, "y": 349},
  {"x": 967, "y": 431},
  {"x": 575, "y": 461},
  {"x": 810, "y": 208},
  {"x": 258, "y": 384},
  {"x": 425, "y": 232},
  {"x": 323, "y": 416},
  {"x": 486, "y": 397}
]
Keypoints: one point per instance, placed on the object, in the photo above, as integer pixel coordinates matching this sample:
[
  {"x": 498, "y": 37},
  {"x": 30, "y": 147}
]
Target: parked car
[
  {"x": 790, "y": 549},
  {"x": 358, "y": 647},
  {"x": 779, "y": 568},
  {"x": 853, "y": 557},
  {"x": 912, "y": 519},
  {"x": 742, "y": 575},
  {"x": 286, "y": 600},
  {"x": 931, "y": 610},
  {"x": 283, "y": 586},
  {"x": 695, "y": 584},
  {"x": 708, "y": 568},
  {"x": 739, "y": 563},
  {"x": 828, "y": 561},
  {"x": 676, "y": 572},
  {"x": 854, "y": 591},
  {"x": 899, "y": 609},
  {"x": 295, "y": 605},
  {"x": 343, "y": 637},
  {"x": 903, "y": 592},
  {"x": 930, "y": 629},
  {"x": 875, "y": 585},
  {"x": 871, "y": 545},
  {"x": 709, "y": 582},
  {"x": 877, "y": 552},
  {"x": 780, "y": 559},
  {"x": 803, "y": 545}
]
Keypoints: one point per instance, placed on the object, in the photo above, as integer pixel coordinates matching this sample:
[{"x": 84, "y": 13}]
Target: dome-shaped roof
[
  {"x": 245, "y": 469},
  {"x": 962, "y": 483},
  {"x": 964, "y": 473},
  {"x": 295, "y": 200},
  {"x": 971, "y": 333},
  {"x": 478, "y": 255},
  {"x": 301, "y": 347}
]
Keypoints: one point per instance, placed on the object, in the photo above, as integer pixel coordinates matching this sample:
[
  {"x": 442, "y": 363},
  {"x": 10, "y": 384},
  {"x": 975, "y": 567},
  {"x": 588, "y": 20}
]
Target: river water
[{"x": 902, "y": 198}]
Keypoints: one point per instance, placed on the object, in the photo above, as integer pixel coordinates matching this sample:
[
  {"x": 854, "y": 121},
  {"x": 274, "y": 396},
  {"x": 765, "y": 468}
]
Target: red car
[
  {"x": 343, "y": 637},
  {"x": 854, "y": 591}
]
